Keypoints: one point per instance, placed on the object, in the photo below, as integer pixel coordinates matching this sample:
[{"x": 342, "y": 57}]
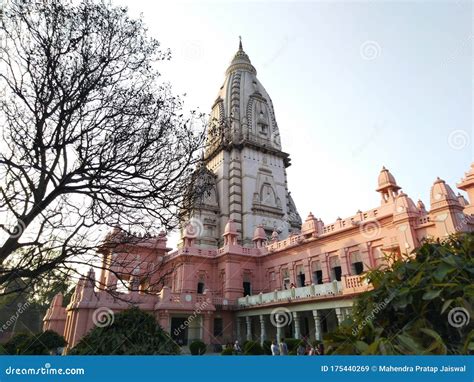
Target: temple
[{"x": 247, "y": 266}]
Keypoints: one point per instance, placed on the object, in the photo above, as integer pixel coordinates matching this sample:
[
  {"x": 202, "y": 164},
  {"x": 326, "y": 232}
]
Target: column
[
  {"x": 317, "y": 325},
  {"x": 344, "y": 260},
  {"x": 339, "y": 316},
  {"x": 263, "y": 335},
  {"x": 325, "y": 268},
  {"x": 237, "y": 328},
  {"x": 249, "y": 327},
  {"x": 296, "y": 320},
  {"x": 206, "y": 328},
  {"x": 279, "y": 328}
]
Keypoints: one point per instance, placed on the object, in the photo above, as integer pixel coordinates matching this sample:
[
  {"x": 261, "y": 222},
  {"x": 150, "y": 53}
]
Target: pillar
[
  {"x": 249, "y": 328},
  {"x": 206, "y": 328},
  {"x": 339, "y": 316},
  {"x": 317, "y": 325},
  {"x": 296, "y": 320},
  {"x": 237, "y": 328},
  {"x": 263, "y": 335},
  {"x": 279, "y": 328}
]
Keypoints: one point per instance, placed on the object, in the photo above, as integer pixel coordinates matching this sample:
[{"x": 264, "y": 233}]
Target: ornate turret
[
  {"x": 244, "y": 152},
  {"x": 387, "y": 186},
  {"x": 259, "y": 237}
]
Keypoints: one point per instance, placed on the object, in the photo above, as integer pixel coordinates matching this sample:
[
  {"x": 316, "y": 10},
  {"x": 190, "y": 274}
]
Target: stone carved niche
[{"x": 265, "y": 197}]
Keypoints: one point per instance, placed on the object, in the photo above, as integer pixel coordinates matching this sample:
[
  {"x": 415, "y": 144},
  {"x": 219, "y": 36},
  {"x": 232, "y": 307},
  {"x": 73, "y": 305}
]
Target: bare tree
[{"x": 90, "y": 136}]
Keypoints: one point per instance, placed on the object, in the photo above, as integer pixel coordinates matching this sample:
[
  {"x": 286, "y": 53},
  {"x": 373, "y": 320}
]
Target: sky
[{"x": 355, "y": 86}]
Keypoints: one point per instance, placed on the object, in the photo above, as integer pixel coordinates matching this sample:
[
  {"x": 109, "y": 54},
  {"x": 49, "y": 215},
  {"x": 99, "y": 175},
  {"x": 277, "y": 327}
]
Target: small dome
[
  {"x": 259, "y": 233},
  {"x": 462, "y": 200},
  {"x": 404, "y": 204},
  {"x": 440, "y": 191},
  {"x": 275, "y": 235},
  {"x": 421, "y": 206},
  {"x": 386, "y": 180},
  {"x": 468, "y": 179},
  {"x": 230, "y": 228},
  {"x": 310, "y": 225}
]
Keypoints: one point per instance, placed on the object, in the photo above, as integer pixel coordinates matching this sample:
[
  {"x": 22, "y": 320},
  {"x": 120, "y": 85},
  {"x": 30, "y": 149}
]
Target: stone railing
[
  {"x": 354, "y": 284},
  {"x": 293, "y": 294}
]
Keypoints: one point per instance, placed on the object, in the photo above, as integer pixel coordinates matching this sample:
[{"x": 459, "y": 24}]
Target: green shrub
[
  {"x": 197, "y": 347},
  {"x": 227, "y": 351},
  {"x": 131, "y": 332},
  {"x": 267, "y": 347},
  {"x": 412, "y": 302},
  {"x": 253, "y": 348},
  {"x": 292, "y": 344}
]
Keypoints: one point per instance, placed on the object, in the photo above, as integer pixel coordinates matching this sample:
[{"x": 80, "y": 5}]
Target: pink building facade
[{"x": 248, "y": 267}]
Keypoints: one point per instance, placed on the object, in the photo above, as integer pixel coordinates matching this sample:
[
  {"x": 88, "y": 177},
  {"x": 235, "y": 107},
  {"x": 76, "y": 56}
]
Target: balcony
[{"x": 348, "y": 285}]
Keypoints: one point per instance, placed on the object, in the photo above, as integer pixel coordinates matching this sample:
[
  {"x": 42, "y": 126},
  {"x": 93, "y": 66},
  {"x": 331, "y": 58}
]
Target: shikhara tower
[{"x": 245, "y": 163}]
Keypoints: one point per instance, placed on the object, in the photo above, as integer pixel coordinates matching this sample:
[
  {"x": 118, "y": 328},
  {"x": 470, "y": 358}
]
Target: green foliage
[
  {"x": 227, "y": 351},
  {"x": 37, "y": 344},
  {"x": 197, "y": 348},
  {"x": 132, "y": 332},
  {"x": 413, "y": 305},
  {"x": 292, "y": 344},
  {"x": 267, "y": 347},
  {"x": 253, "y": 348}
]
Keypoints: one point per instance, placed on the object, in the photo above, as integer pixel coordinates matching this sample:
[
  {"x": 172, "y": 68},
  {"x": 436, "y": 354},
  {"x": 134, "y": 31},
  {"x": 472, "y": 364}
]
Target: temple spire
[{"x": 240, "y": 43}]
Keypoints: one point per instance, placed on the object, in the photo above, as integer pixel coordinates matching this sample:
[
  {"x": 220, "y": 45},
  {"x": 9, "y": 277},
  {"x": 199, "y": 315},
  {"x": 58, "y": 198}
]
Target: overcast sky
[{"x": 355, "y": 86}]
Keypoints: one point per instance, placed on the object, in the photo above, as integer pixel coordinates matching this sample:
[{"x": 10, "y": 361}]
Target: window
[
  {"x": 247, "y": 288},
  {"x": 300, "y": 278},
  {"x": 357, "y": 265},
  {"x": 285, "y": 278},
  {"x": 200, "y": 287},
  {"x": 336, "y": 271},
  {"x": 317, "y": 277},
  {"x": 218, "y": 327}
]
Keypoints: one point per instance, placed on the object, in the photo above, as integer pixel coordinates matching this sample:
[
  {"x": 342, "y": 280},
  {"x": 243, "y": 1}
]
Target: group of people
[{"x": 304, "y": 348}]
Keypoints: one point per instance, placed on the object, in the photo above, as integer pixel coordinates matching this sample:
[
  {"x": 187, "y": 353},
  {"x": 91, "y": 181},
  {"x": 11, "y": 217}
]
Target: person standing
[
  {"x": 275, "y": 349},
  {"x": 283, "y": 347}
]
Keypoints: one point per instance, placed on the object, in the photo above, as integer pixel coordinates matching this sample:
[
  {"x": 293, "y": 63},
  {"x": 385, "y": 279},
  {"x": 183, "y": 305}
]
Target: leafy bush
[
  {"x": 267, "y": 347},
  {"x": 292, "y": 344},
  {"x": 34, "y": 344},
  {"x": 414, "y": 303},
  {"x": 197, "y": 348},
  {"x": 132, "y": 332},
  {"x": 253, "y": 348},
  {"x": 227, "y": 351}
]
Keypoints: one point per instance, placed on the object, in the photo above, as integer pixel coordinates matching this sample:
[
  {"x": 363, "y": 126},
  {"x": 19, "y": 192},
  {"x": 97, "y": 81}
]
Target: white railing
[{"x": 310, "y": 291}]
